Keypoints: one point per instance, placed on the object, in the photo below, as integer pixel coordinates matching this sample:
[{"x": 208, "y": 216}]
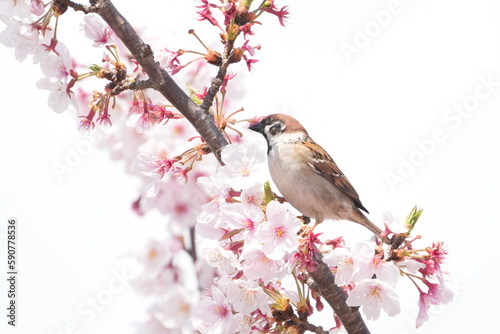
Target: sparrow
[{"x": 306, "y": 175}]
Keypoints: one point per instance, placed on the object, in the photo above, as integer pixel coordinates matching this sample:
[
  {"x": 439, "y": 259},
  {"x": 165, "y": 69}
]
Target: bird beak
[{"x": 257, "y": 127}]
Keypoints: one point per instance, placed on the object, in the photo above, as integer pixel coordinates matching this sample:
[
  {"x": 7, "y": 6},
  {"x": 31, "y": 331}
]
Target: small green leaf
[
  {"x": 95, "y": 68},
  {"x": 412, "y": 218},
  {"x": 268, "y": 193},
  {"x": 194, "y": 96}
]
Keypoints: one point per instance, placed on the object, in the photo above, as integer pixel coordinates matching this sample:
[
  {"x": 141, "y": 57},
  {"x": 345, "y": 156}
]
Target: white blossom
[
  {"x": 96, "y": 30},
  {"x": 374, "y": 295},
  {"x": 278, "y": 234}
]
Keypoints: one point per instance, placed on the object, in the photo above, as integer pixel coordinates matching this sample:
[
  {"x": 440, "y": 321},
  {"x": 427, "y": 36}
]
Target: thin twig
[
  {"x": 219, "y": 78},
  {"x": 79, "y": 7},
  {"x": 306, "y": 326},
  {"x": 132, "y": 85},
  {"x": 204, "y": 124},
  {"x": 160, "y": 80}
]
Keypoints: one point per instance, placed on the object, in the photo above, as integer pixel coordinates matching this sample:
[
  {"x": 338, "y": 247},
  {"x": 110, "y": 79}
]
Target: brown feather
[
  {"x": 324, "y": 165},
  {"x": 292, "y": 125}
]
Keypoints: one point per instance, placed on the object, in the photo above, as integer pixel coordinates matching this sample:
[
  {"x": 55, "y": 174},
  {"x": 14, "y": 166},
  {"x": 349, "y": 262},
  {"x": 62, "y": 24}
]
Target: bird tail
[{"x": 363, "y": 220}]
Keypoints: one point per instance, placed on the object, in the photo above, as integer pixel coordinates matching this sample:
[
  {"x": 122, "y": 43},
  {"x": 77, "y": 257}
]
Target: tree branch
[
  {"x": 306, "y": 326},
  {"x": 134, "y": 85},
  {"x": 79, "y": 7},
  {"x": 204, "y": 124},
  {"x": 336, "y": 297},
  {"x": 160, "y": 79}
]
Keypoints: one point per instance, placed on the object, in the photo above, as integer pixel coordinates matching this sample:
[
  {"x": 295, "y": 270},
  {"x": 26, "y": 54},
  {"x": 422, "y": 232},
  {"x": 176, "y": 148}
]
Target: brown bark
[{"x": 160, "y": 80}]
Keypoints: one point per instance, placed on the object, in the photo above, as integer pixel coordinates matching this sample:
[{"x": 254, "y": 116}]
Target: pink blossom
[
  {"x": 153, "y": 168},
  {"x": 374, "y": 295},
  {"x": 96, "y": 30},
  {"x": 182, "y": 202},
  {"x": 57, "y": 71},
  {"x": 282, "y": 13},
  {"x": 238, "y": 216},
  {"x": 244, "y": 164},
  {"x": 435, "y": 257},
  {"x": 86, "y": 125},
  {"x": 247, "y": 29},
  {"x": 136, "y": 106},
  {"x": 169, "y": 60},
  {"x": 21, "y": 36},
  {"x": 250, "y": 49},
  {"x": 213, "y": 314},
  {"x": 145, "y": 122},
  {"x": 154, "y": 255},
  {"x": 278, "y": 235},
  {"x": 206, "y": 14},
  {"x": 253, "y": 196},
  {"x": 104, "y": 120},
  {"x": 436, "y": 295},
  {"x": 228, "y": 77},
  {"x": 393, "y": 224},
  {"x": 37, "y": 7},
  {"x": 174, "y": 308},
  {"x": 248, "y": 296},
  {"x": 229, "y": 10},
  {"x": 249, "y": 62},
  {"x": 369, "y": 264},
  {"x": 343, "y": 259},
  {"x": 411, "y": 265},
  {"x": 21, "y": 9},
  {"x": 209, "y": 223},
  {"x": 256, "y": 265},
  {"x": 220, "y": 258},
  {"x": 305, "y": 257}
]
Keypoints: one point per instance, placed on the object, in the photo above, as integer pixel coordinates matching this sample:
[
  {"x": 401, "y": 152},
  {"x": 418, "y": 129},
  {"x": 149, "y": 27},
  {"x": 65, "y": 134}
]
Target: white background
[{"x": 368, "y": 112}]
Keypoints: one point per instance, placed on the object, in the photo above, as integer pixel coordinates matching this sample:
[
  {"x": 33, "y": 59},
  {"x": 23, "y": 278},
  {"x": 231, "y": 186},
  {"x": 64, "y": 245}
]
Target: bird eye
[{"x": 276, "y": 128}]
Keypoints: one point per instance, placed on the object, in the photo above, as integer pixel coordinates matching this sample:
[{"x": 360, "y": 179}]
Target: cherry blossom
[
  {"x": 253, "y": 196},
  {"x": 238, "y": 216},
  {"x": 282, "y": 13},
  {"x": 174, "y": 308},
  {"x": 213, "y": 314},
  {"x": 37, "y": 7},
  {"x": 257, "y": 266},
  {"x": 244, "y": 164},
  {"x": 21, "y": 36},
  {"x": 221, "y": 258},
  {"x": 19, "y": 8},
  {"x": 57, "y": 71},
  {"x": 153, "y": 167},
  {"x": 436, "y": 295},
  {"x": 154, "y": 255},
  {"x": 374, "y": 295},
  {"x": 344, "y": 260},
  {"x": 278, "y": 234},
  {"x": 248, "y": 296},
  {"x": 370, "y": 264},
  {"x": 97, "y": 31},
  {"x": 246, "y": 253},
  {"x": 169, "y": 60}
]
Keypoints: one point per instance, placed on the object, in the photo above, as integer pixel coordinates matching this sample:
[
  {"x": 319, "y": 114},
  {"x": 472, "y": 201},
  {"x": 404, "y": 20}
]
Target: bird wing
[{"x": 323, "y": 164}]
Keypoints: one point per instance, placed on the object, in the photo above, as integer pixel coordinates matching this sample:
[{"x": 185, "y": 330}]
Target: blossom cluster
[
  {"x": 254, "y": 243},
  {"x": 249, "y": 239},
  {"x": 250, "y": 258},
  {"x": 30, "y": 32},
  {"x": 232, "y": 18}
]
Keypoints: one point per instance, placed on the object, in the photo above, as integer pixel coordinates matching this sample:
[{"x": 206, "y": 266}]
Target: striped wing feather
[{"x": 324, "y": 165}]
